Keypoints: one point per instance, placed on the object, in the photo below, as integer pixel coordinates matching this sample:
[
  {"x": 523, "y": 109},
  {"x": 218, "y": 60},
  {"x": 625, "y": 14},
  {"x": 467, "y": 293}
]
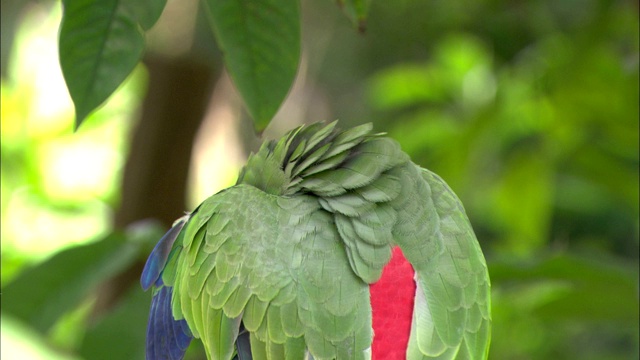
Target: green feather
[
  {"x": 237, "y": 301},
  {"x": 275, "y": 328},
  {"x": 258, "y": 347},
  {"x": 254, "y": 313},
  {"x": 291, "y": 323},
  {"x": 294, "y": 349},
  {"x": 275, "y": 350},
  {"x": 291, "y": 249},
  {"x": 299, "y": 167}
]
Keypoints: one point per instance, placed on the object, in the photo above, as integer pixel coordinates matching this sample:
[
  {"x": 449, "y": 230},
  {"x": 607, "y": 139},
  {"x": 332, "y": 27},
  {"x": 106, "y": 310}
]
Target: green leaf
[
  {"x": 40, "y": 295},
  {"x": 21, "y": 341},
  {"x": 356, "y": 11},
  {"x": 261, "y": 43},
  {"x": 101, "y": 41},
  {"x": 524, "y": 201},
  {"x": 121, "y": 334},
  {"x": 147, "y": 12},
  {"x": 584, "y": 288}
]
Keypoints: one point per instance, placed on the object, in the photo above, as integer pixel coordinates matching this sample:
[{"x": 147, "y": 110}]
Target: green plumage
[{"x": 291, "y": 249}]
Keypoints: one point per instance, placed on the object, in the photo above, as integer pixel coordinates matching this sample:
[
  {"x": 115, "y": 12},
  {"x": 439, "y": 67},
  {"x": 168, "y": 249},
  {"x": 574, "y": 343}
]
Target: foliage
[
  {"x": 102, "y": 41},
  {"x": 528, "y": 110},
  {"x": 100, "y": 44},
  {"x": 261, "y": 43},
  {"x": 65, "y": 279}
]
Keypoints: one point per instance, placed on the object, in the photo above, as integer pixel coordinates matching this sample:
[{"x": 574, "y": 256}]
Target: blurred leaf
[
  {"x": 40, "y": 295},
  {"x": 11, "y": 265},
  {"x": 524, "y": 202},
  {"x": 22, "y": 342},
  {"x": 356, "y": 11},
  {"x": 146, "y": 12},
  {"x": 69, "y": 330},
  {"x": 564, "y": 306},
  {"x": 618, "y": 177},
  {"x": 125, "y": 326},
  {"x": 261, "y": 43},
  {"x": 584, "y": 289},
  {"x": 101, "y": 41},
  {"x": 407, "y": 85},
  {"x": 459, "y": 71}
]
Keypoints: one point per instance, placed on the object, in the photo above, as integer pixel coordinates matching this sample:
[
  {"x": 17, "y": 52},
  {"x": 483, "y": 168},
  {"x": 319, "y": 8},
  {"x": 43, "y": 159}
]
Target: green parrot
[{"x": 281, "y": 265}]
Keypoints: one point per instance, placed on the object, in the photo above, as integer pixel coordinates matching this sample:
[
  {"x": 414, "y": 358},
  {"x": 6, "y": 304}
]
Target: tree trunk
[{"x": 155, "y": 174}]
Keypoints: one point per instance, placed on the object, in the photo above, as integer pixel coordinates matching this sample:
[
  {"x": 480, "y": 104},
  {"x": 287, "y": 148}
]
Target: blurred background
[{"x": 528, "y": 109}]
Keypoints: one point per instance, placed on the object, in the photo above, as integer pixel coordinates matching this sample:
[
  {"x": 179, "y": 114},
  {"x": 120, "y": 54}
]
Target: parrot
[{"x": 290, "y": 262}]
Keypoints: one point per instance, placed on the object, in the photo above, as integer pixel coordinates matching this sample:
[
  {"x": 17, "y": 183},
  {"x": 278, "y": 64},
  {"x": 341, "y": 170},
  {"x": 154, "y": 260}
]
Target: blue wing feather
[
  {"x": 167, "y": 338},
  {"x": 158, "y": 258}
]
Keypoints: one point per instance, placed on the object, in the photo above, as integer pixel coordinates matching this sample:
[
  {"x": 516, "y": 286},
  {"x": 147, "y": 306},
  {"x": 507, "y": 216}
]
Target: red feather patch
[{"x": 392, "y": 305}]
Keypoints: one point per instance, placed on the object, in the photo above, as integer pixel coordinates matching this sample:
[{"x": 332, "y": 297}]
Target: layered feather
[{"x": 289, "y": 251}]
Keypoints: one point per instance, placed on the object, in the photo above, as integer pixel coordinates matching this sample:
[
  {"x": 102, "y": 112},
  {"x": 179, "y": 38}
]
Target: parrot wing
[
  {"x": 167, "y": 338},
  {"x": 287, "y": 254},
  {"x": 378, "y": 198},
  {"x": 451, "y": 318},
  {"x": 276, "y": 265}
]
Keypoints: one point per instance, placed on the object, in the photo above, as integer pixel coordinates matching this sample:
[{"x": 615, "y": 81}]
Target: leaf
[
  {"x": 101, "y": 41},
  {"x": 40, "y": 295},
  {"x": 121, "y": 334},
  {"x": 356, "y": 11},
  {"x": 586, "y": 288},
  {"x": 21, "y": 341},
  {"x": 524, "y": 201},
  {"x": 147, "y": 12},
  {"x": 261, "y": 43}
]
